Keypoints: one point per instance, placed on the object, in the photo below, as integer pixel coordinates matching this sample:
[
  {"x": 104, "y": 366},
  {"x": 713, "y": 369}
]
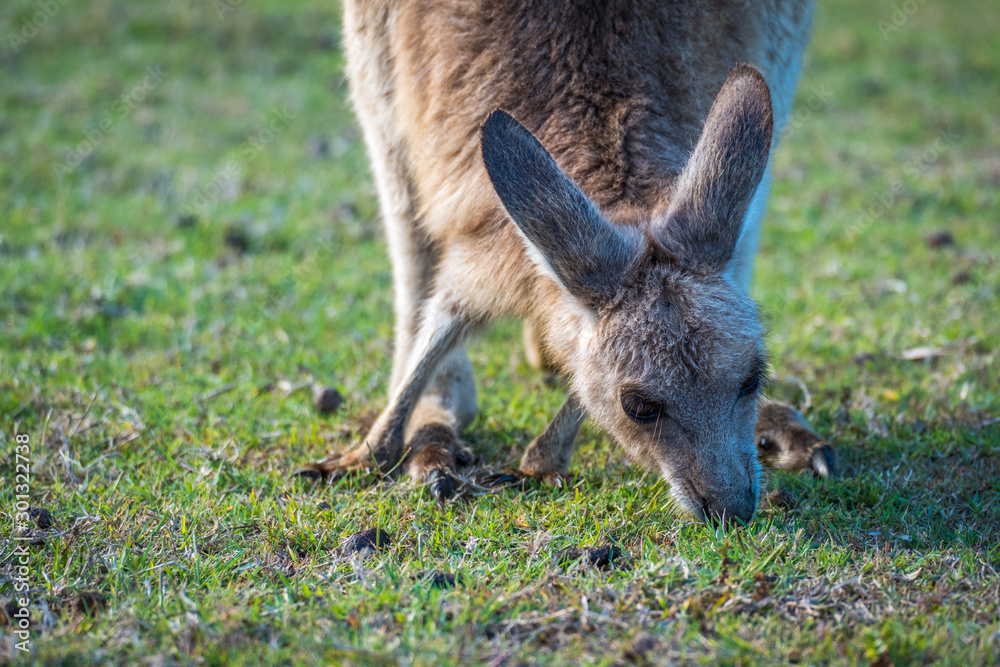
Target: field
[{"x": 190, "y": 244}]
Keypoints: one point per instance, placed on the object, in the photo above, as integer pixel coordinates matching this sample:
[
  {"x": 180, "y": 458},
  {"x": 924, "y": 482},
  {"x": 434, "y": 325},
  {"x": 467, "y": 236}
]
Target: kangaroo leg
[
  {"x": 368, "y": 42},
  {"x": 534, "y": 352},
  {"x": 383, "y": 448},
  {"x": 412, "y": 260},
  {"x": 446, "y": 408},
  {"x": 547, "y": 457},
  {"x": 550, "y": 452}
]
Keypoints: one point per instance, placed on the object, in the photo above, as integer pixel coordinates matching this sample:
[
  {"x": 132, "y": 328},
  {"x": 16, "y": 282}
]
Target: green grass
[{"x": 163, "y": 376}]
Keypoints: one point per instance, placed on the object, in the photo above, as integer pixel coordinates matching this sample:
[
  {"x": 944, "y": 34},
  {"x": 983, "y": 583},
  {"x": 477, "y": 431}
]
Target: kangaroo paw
[
  {"x": 443, "y": 487},
  {"x": 377, "y": 452},
  {"x": 335, "y": 466},
  {"x": 464, "y": 455},
  {"x": 785, "y": 441},
  {"x": 435, "y": 452},
  {"x": 501, "y": 479},
  {"x": 514, "y": 476}
]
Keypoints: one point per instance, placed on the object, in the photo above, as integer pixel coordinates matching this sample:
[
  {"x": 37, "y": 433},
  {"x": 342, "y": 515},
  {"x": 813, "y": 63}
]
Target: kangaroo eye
[
  {"x": 750, "y": 385},
  {"x": 764, "y": 444},
  {"x": 640, "y": 409}
]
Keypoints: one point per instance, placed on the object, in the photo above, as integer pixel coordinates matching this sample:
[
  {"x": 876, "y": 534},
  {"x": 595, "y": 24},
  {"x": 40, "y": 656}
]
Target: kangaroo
[{"x": 599, "y": 170}]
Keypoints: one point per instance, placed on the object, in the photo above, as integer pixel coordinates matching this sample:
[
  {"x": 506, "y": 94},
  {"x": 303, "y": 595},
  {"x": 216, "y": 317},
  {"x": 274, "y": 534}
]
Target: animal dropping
[
  {"x": 41, "y": 516},
  {"x": 366, "y": 542},
  {"x": 327, "y": 400},
  {"x": 600, "y": 557}
]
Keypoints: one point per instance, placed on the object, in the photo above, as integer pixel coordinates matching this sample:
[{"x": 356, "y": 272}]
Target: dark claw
[
  {"x": 443, "y": 486},
  {"x": 464, "y": 457},
  {"x": 308, "y": 473},
  {"x": 501, "y": 479},
  {"x": 822, "y": 463}
]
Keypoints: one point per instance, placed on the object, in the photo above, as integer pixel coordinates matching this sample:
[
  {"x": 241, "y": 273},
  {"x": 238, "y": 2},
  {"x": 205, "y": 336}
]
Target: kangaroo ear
[
  {"x": 565, "y": 233},
  {"x": 703, "y": 222}
]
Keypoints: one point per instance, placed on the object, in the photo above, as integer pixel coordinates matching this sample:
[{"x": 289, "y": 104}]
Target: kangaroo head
[{"x": 671, "y": 352}]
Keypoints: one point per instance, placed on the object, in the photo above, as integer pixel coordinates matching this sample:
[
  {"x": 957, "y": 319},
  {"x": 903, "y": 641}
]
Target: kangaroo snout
[
  {"x": 715, "y": 489},
  {"x": 730, "y": 509},
  {"x": 729, "y": 497}
]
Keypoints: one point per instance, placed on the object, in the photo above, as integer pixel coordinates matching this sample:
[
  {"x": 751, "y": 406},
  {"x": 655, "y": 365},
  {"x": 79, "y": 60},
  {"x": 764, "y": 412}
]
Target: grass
[{"x": 161, "y": 365}]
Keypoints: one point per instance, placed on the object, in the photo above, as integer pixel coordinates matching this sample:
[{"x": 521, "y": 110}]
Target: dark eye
[
  {"x": 765, "y": 443},
  {"x": 750, "y": 385},
  {"x": 640, "y": 409}
]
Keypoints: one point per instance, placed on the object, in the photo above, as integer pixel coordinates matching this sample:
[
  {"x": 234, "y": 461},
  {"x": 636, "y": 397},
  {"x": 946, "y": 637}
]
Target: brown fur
[
  {"x": 610, "y": 214},
  {"x": 617, "y": 91}
]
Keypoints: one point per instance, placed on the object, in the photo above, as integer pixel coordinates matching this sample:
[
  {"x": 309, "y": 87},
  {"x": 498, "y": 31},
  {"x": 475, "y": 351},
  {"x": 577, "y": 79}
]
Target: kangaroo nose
[{"x": 731, "y": 510}]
